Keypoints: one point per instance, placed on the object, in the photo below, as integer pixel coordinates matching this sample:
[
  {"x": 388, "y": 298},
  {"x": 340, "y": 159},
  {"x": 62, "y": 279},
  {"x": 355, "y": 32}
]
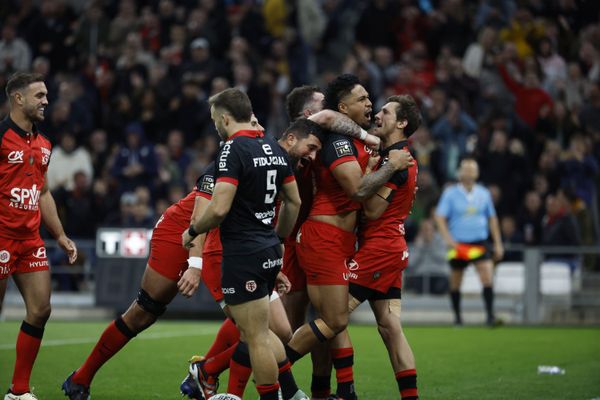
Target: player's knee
[
  {"x": 284, "y": 333},
  {"x": 150, "y": 305},
  {"x": 39, "y": 314},
  {"x": 338, "y": 323}
]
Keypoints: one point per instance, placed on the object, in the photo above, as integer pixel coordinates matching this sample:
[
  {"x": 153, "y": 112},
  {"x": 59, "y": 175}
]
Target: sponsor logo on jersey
[
  {"x": 352, "y": 265},
  {"x": 4, "y": 256},
  {"x": 37, "y": 264},
  {"x": 265, "y": 217},
  {"x": 45, "y": 155},
  {"x": 207, "y": 185},
  {"x": 40, "y": 252},
  {"x": 15, "y": 157},
  {"x": 342, "y": 148},
  {"x": 272, "y": 263},
  {"x": 267, "y": 161},
  {"x": 251, "y": 286},
  {"x": 348, "y": 275},
  {"x": 25, "y": 198},
  {"x": 228, "y": 290},
  {"x": 223, "y": 157}
]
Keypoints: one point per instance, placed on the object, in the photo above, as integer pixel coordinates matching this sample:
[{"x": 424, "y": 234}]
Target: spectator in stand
[
  {"x": 511, "y": 235},
  {"x": 531, "y": 100},
  {"x": 135, "y": 163},
  {"x": 15, "y": 54},
  {"x": 67, "y": 159},
  {"x": 553, "y": 66},
  {"x": 559, "y": 228},
  {"x": 590, "y": 112},
  {"x": 77, "y": 204},
  {"x": 480, "y": 53},
  {"x": 455, "y": 129},
  {"x": 529, "y": 219},
  {"x": 428, "y": 266},
  {"x": 92, "y": 33}
]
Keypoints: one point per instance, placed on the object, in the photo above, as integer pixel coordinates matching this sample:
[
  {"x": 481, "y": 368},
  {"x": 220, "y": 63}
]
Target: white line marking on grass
[{"x": 143, "y": 336}]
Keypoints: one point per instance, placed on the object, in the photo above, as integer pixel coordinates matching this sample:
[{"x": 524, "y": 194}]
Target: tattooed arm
[
  {"x": 371, "y": 183},
  {"x": 341, "y": 124}
]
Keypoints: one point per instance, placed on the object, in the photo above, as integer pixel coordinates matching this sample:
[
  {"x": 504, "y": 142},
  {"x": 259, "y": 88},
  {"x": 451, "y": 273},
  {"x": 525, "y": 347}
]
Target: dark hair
[
  {"x": 20, "y": 80},
  {"x": 296, "y": 100},
  {"x": 407, "y": 109},
  {"x": 303, "y": 127},
  {"x": 339, "y": 88},
  {"x": 235, "y": 102}
]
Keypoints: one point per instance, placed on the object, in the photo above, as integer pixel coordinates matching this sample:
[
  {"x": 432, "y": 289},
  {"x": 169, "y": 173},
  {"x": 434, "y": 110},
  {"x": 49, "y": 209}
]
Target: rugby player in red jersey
[
  {"x": 376, "y": 269},
  {"x": 326, "y": 241},
  {"x": 26, "y": 201}
]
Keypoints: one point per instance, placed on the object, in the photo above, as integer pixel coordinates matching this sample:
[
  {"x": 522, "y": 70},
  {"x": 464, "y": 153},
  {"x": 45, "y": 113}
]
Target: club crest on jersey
[
  {"x": 4, "y": 256},
  {"x": 15, "y": 157},
  {"x": 342, "y": 148},
  {"x": 376, "y": 275},
  {"x": 251, "y": 286}
]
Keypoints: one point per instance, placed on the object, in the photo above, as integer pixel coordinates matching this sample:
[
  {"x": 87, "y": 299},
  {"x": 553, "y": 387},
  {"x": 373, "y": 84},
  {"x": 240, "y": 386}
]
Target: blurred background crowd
[{"x": 516, "y": 83}]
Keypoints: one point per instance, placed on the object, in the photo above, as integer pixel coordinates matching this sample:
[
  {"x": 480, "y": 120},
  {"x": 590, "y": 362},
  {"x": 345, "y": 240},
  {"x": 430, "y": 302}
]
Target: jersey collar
[
  {"x": 396, "y": 146},
  {"x": 13, "y": 125},
  {"x": 247, "y": 133}
]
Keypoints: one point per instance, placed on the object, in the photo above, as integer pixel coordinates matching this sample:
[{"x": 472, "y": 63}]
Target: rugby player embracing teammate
[
  {"x": 252, "y": 170},
  {"x": 301, "y": 141},
  {"x": 26, "y": 201},
  {"x": 376, "y": 269},
  {"x": 169, "y": 269},
  {"x": 326, "y": 241}
]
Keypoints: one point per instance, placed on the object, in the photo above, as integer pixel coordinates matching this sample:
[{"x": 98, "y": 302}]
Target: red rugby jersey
[
  {"x": 388, "y": 230},
  {"x": 330, "y": 198},
  {"x": 24, "y": 158},
  {"x": 177, "y": 217}
]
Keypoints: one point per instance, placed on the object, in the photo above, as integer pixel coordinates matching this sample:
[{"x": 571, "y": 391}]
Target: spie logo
[
  {"x": 15, "y": 157},
  {"x": 40, "y": 253}
]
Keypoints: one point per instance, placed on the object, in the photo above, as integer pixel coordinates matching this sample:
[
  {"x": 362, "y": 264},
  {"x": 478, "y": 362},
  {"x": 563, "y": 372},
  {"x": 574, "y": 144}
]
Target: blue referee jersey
[{"x": 467, "y": 213}]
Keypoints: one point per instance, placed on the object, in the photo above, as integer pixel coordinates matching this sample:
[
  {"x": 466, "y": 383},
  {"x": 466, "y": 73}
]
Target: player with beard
[
  {"x": 26, "y": 201},
  {"x": 376, "y": 269},
  {"x": 299, "y": 142},
  {"x": 326, "y": 240}
]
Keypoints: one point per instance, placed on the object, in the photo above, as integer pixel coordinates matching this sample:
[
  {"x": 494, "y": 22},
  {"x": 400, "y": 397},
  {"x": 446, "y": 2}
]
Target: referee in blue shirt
[{"x": 465, "y": 217}]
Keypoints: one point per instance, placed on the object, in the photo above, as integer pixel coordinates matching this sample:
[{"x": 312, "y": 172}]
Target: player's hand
[
  {"x": 189, "y": 282},
  {"x": 186, "y": 240},
  {"x": 451, "y": 243},
  {"x": 69, "y": 247},
  {"x": 373, "y": 142},
  {"x": 282, "y": 284},
  {"x": 373, "y": 161},
  {"x": 400, "y": 159},
  {"x": 498, "y": 252}
]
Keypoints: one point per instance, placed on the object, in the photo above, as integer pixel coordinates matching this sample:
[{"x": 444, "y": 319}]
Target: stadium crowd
[{"x": 516, "y": 84}]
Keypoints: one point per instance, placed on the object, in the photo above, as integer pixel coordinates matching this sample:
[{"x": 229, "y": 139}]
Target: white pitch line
[{"x": 146, "y": 336}]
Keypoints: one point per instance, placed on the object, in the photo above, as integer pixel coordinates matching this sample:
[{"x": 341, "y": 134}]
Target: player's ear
[
  {"x": 291, "y": 139},
  {"x": 342, "y": 107},
  {"x": 401, "y": 124}
]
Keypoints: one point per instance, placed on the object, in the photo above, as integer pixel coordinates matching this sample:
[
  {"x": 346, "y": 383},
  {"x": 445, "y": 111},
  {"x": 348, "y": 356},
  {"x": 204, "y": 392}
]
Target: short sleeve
[
  {"x": 489, "y": 209},
  {"x": 336, "y": 151},
  {"x": 229, "y": 166},
  {"x": 443, "y": 207},
  {"x": 206, "y": 182}
]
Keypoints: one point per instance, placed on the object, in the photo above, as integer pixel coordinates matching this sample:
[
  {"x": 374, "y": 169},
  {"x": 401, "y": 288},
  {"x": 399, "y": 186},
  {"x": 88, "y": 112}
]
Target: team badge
[
  {"x": 376, "y": 275},
  {"x": 4, "y": 256},
  {"x": 342, "y": 148},
  {"x": 251, "y": 286}
]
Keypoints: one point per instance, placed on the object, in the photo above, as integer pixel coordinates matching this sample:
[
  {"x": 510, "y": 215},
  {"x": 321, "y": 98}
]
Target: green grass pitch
[{"x": 465, "y": 363}]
